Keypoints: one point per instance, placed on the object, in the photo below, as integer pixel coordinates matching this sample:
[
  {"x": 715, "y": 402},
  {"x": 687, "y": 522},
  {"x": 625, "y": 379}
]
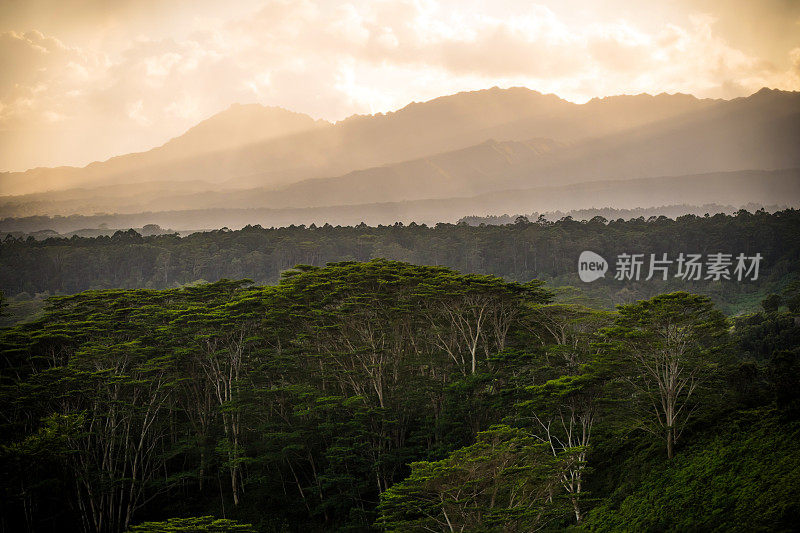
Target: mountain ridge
[{"x": 443, "y": 122}]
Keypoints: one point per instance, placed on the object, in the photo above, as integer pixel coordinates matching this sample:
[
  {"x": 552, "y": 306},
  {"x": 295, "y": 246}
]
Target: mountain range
[{"x": 458, "y": 146}]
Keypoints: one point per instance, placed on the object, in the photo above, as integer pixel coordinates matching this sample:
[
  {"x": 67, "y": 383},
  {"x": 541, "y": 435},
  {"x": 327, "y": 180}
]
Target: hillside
[
  {"x": 758, "y": 132},
  {"x": 223, "y": 133},
  {"x": 419, "y": 129}
]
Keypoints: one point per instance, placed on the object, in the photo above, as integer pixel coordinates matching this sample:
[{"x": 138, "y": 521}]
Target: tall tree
[
  {"x": 565, "y": 407},
  {"x": 670, "y": 344}
]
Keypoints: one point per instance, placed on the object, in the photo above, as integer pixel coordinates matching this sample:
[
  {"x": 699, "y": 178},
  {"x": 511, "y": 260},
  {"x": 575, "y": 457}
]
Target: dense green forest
[
  {"x": 31, "y": 270},
  {"x": 382, "y": 395}
]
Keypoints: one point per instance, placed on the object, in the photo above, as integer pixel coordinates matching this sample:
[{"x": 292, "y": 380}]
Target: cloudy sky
[{"x": 83, "y": 80}]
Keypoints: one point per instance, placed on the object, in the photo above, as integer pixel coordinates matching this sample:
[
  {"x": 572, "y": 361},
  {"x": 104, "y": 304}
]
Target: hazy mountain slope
[
  {"x": 781, "y": 188},
  {"x": 417, "y": 130},
  {"x": 404, "y": 155},
  {"x": 458, "y": 173},
  {"x": 602, "y": 116},
  {"x": 239, "y": 125},
  {"x": 125, "y": 198},
  {"x": 462, "y": 172},
  {"x": 453, "y": 122},
  {"x": 759, "y": 132}
]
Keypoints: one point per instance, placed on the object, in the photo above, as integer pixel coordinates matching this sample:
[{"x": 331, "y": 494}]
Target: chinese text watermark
[{"x": 689, "y": 267}]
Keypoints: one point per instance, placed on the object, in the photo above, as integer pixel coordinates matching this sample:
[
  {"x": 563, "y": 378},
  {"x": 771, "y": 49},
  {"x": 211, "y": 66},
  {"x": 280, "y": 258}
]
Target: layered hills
[{"x": 458, "y": 146}]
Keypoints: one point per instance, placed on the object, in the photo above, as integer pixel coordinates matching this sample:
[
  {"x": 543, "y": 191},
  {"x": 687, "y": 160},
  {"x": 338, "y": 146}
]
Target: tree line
[
  {"x": 381, "y": 395},
  {"x": 520, "y": 251}
]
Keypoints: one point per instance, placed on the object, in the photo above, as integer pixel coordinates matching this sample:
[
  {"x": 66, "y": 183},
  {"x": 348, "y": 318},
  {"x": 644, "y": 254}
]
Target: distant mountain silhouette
[
  {"x": 262, "y": 154},
  {"x": 759, "y": 132},
  {"x": 237, "y": 126},
  {"x": 455, "y": 146}
]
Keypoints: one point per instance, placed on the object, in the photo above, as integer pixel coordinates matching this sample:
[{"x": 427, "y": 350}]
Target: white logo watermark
[
  {"x": 688, "y": 267},
  {"x": 591, "y": 266}
]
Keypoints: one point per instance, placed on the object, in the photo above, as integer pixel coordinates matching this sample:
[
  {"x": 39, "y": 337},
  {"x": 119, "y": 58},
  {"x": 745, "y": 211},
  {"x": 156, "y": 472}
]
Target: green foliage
[
  {"x": 356, "y": 396},
  {"x": 517, "y": 252},
  {"x": 771, "y": 303},
  {"x": 503, "y": 482},
  {"x": 667, "y": 349},
  {"x": 769, "y": 344},
  {"x": 200, "y": 524},
  {"x": 320, "y": 388},
  {"x": 744, "y": 475}
]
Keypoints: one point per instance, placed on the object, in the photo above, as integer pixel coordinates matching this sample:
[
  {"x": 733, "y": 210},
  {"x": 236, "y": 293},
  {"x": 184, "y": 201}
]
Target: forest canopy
[
  {"x": 31, "y": 270},
  {"x": 375, "y": 395}
]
